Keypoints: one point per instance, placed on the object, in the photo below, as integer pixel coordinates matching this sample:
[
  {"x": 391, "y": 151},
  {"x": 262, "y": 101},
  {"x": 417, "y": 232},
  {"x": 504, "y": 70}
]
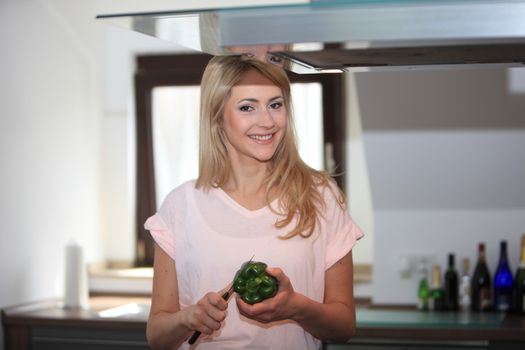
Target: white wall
[
  {"x": 444, "y": 155},
  {"x": 49, "y": 143},
  {"x": 358, "y": 181},
  {"x": 121, "y": 47},
  {"x": 438, "y": 232}
]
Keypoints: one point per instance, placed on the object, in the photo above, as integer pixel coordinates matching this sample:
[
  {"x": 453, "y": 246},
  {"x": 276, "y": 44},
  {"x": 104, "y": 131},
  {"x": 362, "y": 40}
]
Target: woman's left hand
[{"x": 279, "y": 307}]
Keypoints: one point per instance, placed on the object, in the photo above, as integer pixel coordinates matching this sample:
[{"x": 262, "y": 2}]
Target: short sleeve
[
  {"x": 161, "y": 234},
  {"x": 164, "y": 224},
  {"x": 341, "y": 231}
]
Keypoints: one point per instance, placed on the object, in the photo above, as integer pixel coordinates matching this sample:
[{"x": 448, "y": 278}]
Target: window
[{"x": 167, "y": 86}]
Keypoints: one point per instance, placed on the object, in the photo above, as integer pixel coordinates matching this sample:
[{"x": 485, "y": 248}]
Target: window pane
[
  {"x": 308, "y": 116},
  {"x": 175, "y": 136}
]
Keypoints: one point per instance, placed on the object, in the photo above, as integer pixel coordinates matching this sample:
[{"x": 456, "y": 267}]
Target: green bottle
[{"x": 423, "y": 290}]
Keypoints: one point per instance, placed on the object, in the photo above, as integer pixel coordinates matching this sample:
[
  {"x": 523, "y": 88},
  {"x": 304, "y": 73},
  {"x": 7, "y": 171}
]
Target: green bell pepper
[{"x": 253, "y": 283}]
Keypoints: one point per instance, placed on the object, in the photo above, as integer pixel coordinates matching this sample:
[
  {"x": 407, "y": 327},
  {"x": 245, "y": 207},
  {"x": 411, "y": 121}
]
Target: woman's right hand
[{"x": 206, "y": 316}]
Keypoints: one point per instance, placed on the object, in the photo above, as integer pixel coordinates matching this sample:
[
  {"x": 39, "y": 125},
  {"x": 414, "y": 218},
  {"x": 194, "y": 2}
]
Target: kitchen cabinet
[
  {"x": 379, "y": 329},
  {"x": 115, "y": 323},
  {"x": 64, "y": 338},
  {"x": 396, "y": 344},
  {"x": 120, "y": 323},
  {"x": 385, "y": 344}
]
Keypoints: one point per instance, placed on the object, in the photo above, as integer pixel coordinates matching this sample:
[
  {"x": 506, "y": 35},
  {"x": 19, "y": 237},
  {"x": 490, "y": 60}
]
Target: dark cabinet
[
  {"x": 48, "y": 326},
  {"x": 407, "y": 344},
  {"x": 45, "y": 338}
]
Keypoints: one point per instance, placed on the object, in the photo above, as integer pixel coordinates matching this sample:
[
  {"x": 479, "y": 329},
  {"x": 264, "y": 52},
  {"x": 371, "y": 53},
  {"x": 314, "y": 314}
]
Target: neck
[
  {"x": 247, "y": 179},
  {"x": 245, "y": 184}
]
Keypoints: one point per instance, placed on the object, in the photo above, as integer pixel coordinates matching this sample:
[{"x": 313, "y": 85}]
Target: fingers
[
  {"x": 261, "y": 312},
  {"x": 274, "y": 271},
  {"x": 203, "y": 323},
  {"x": 208, "y": 313},
  {"x": 279, "y": 274},
  {"x": 214, "y": 305},
  {"x": 199, "y": 320},
  {"x": 216, "y": 300}
]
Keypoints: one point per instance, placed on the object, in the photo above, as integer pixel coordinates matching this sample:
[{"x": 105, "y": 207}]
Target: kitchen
[{"x": 68, "y": 169}]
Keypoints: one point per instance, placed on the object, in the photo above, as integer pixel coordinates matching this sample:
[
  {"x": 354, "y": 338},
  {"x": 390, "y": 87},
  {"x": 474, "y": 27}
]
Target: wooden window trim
[{"x": 187, "y": 69}]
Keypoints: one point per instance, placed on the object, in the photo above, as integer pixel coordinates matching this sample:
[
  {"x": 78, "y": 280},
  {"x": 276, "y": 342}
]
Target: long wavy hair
[{"x": 298, "y": 187}]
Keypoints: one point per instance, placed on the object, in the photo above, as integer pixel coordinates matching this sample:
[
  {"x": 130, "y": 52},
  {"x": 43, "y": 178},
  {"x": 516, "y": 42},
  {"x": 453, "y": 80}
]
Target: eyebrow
[{"x": 256, "y": 100}]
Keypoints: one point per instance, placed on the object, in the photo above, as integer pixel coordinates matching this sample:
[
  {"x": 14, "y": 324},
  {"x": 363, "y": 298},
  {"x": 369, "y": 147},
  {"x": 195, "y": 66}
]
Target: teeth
[{"x": 261, "y": 137}]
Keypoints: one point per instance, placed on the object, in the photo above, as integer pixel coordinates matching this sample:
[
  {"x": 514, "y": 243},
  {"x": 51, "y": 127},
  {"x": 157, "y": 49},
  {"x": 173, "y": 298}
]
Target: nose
[{"x": 266, "y": 119}]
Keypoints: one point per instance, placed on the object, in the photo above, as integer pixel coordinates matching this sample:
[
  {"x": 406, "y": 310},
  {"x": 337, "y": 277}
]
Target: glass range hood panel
[{"x": 352, "y": 35}]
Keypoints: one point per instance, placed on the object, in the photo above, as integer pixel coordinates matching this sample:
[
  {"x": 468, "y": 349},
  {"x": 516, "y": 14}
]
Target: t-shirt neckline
[{"x": 241, "y": 209}]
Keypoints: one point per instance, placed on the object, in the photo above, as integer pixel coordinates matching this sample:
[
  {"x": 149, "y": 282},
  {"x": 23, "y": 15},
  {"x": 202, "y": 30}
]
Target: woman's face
[{"x": 254, "y": 120}]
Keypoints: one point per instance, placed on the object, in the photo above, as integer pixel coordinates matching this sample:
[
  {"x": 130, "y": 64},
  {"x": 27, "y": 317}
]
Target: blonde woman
[{"x": 254, "y": 197}]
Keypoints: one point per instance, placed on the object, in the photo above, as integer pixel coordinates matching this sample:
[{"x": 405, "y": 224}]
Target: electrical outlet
[{"x": 410, "y": 264}]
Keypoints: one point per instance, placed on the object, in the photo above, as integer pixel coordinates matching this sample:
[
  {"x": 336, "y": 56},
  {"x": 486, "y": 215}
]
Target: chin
[{"x": 264, "y": 158}]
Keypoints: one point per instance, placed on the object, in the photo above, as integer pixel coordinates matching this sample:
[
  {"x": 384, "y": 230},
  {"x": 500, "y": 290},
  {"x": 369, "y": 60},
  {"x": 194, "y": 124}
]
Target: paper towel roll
[{"x": 76, "y": 286}]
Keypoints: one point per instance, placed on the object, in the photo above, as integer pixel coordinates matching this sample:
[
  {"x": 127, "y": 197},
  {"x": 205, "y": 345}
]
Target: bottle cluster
[{"x": 479, "y": 291}]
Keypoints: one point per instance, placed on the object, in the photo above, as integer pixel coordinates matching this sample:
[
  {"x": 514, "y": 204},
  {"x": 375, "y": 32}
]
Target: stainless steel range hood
[{"x": 351, "y": 35}]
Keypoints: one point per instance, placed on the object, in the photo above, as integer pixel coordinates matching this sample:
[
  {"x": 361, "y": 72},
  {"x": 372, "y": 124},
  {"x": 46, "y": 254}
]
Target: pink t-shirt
[{"x": 209, "y": 236}]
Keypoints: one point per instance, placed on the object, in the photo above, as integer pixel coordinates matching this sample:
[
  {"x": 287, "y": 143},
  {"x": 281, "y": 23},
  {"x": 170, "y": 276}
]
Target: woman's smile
[{"x": 262, "y": 139}]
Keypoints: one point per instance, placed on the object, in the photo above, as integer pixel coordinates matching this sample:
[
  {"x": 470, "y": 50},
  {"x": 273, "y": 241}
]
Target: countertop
[
  {"x": 130, "y": 313},
  {"x": 119, "y": 312},
  {"x": 416, "y": 324}
]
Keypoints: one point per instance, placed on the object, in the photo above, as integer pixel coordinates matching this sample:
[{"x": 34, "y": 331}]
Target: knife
[{"x": 225, "y": 296}]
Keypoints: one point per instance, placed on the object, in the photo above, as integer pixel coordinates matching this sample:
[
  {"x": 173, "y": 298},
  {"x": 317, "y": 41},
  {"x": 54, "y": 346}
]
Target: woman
[{"x": 254, "y": 197}]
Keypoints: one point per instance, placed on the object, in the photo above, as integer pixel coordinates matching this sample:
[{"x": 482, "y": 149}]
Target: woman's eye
[
  {"x": 276, "y": 105},
  {"x": 246, "y": 108},
  {"x": 274, "y": 59}
]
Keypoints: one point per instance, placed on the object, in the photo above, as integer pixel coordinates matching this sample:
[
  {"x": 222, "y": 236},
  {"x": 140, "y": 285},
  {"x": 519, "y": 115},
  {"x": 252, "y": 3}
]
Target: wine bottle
[
  {"x": 519, "y": 283},
  {"x": 481, "y": 284},
  {"x": 423, "y": 290},
  {"x": 451, "y": 285},
  {"x": 464, "y": 286},
  {"x": 503, "y": 281},
  {"x": 436, "y": 301}
]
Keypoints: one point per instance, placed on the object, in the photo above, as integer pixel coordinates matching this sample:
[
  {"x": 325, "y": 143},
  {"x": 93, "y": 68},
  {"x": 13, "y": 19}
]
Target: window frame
[{"x": 186, "y": 69}]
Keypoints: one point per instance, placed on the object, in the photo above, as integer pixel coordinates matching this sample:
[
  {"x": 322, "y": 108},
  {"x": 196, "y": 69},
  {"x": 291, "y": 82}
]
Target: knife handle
[{"x": 194, "y": 337}]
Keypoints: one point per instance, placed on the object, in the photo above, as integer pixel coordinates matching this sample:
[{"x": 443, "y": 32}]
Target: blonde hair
[{"x": 297, "y": 186}]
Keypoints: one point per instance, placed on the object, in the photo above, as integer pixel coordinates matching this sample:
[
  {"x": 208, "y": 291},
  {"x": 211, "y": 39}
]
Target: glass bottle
[
  {"x": 519, "y": 283},
  {"x": 423, "y": 290},
  {"x": 503, "y": 281},
  {"x": 481, "y": 284},
  {"x": 464, "y": 286},
  {"x": 436, "y": 302},
  {"x": 451, "y": 285}
]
